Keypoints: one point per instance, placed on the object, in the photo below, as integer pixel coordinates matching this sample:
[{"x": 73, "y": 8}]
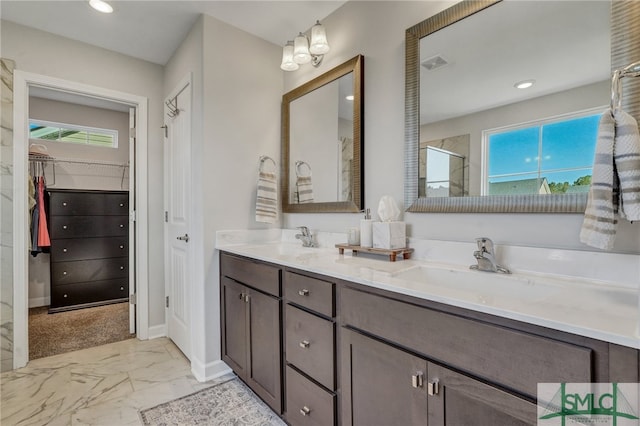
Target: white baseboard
[
  {"x": 157, "y": 331},
  {"x": 39, "y": 301},
  {"x": 205, "y": 372}
]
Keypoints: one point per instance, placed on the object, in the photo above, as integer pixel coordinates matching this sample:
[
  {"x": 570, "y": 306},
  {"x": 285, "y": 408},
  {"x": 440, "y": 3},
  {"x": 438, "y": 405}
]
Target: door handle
[{"x": 184, "y": 238}]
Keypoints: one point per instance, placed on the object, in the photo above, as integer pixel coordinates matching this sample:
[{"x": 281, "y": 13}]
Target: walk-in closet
[{"x": 80, "y": 247}]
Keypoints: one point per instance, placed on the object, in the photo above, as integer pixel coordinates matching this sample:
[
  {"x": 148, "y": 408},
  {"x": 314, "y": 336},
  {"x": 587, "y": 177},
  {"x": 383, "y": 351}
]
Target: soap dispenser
[{"x": 366, "y": 232}]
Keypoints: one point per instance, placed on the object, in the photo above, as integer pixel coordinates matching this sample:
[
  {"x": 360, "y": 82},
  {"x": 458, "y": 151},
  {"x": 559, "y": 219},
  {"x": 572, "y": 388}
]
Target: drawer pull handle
[
  {"x": 244, "y": 297},
  {"x": 64, "y": 250},
  {"x": 303, "y": 292},
  {"x": 433, "y": 388},
  {"x": 305, "y": 411},
  {"x": 305, "y": 344},
  {"x": 417, "y": 379}
]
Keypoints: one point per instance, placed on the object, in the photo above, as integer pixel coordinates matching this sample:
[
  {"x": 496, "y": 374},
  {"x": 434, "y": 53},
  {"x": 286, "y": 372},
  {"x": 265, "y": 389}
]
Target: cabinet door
[
  {"x": 460, "y": 400},
  {"x": 265, "y": 360},
  {"x": 378, "y": 384},
  {"x": 234, "y": 326}
]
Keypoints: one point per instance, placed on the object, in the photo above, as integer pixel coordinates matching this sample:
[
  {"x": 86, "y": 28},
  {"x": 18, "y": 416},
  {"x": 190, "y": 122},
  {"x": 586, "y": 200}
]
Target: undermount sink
[{"x": 484, "y": 287}]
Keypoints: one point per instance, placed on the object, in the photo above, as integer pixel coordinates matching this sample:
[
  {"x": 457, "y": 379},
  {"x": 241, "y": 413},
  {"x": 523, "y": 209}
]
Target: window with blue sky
[
  {"x": 71, "y": 133},
  {"x": 552, "y": 156}
]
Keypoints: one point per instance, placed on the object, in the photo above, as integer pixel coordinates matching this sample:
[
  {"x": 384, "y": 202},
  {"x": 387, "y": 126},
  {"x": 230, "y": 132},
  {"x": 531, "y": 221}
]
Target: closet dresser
[{"x": 89, "y": 233}]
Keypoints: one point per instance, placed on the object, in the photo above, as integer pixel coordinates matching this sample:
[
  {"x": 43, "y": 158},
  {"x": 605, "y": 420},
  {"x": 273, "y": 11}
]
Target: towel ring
[
  {"x": 300, "y": 163},
  {"x": 264, "y": 158}
]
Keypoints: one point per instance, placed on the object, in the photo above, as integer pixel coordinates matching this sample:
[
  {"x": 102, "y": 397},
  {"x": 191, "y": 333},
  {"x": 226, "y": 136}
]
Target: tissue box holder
[{"x": 389, "y": 235}]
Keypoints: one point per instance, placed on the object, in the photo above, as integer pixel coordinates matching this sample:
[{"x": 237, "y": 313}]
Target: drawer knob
[
  {"x": 64, "y": 204},
  {"x": 64, "y": 226},
  {"x": 64, "y": 272},
  {"x": 121, "y": 226},
  {"x": 305, "y": 411},
  {"x": 121, "y": 288},
  {"x": 65, "y": 295},
  {"x": 121, "y": 204},
  {"x": 122, "y": 268},
  {"x": 305, "y": 344},
  {"x": 64, "y": 250},
  {"x": 303, "y": 292},
  {"x": 121, "y": 246}
]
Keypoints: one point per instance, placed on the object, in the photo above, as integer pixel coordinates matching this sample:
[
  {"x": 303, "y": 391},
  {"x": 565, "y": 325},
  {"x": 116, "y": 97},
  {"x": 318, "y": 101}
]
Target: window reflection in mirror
[{"x": 468, "y": 88}]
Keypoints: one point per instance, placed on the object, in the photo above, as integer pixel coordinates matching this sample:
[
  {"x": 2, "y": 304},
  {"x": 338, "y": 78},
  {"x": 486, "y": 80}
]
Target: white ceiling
[{"x": 157, "y": 26}]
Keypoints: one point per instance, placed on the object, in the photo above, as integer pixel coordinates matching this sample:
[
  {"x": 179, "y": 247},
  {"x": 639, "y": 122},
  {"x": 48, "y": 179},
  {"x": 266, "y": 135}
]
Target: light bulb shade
[
  {"x": 288, "y": 63},
  {"x": 301, "y": 53},
  {"x": 319, "y": 44}
]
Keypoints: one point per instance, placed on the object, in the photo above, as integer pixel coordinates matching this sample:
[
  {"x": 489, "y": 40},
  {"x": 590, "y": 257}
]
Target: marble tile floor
[{"x": 105, "y": 385}]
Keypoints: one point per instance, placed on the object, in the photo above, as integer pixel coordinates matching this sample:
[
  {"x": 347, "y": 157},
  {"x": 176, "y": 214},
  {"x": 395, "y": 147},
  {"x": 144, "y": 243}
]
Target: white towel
[
  {"x": 305, "y": 189},
  {"x": 615, "y": 182},
  {"x": 267, "y": 198}
]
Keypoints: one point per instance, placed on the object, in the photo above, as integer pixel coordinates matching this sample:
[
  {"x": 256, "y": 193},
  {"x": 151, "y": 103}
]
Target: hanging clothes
[
  {"x": 43, "y": 229},
  {"x": 35, "y": 220}
]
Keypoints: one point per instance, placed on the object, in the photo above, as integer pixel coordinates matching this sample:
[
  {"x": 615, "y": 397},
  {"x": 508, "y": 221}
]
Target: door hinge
[
  {"x": 133, "y": 299},
  {"x": 166, "y": 216},
  {"x": 167, "y": 301},
  {"x": 133, "y": 216}
]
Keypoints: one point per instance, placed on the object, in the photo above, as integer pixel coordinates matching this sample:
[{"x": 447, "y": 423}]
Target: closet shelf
[{"x": 47, "y": 159}]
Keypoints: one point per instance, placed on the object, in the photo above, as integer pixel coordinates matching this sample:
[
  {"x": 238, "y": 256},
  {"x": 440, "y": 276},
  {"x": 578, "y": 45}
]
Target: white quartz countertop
[{"x": 590, "y": 308}]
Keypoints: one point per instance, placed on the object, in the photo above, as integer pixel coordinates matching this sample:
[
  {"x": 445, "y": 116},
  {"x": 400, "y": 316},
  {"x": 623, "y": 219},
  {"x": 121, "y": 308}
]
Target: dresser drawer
[
  {"x": 88, "y": 292},
  {"x": 260, "y": 276},
  {"x": 89, "y": 270},
  {"x": 310, "y": 345},
  {"x": 88, "y": 226},
  {"x": 311, "y": 293},
  {"x": 307, "y": 403},
  {"x": 71, "y": 203},
  {"x": 88, "y": 248},
  {"x": 514, "y": 359}
]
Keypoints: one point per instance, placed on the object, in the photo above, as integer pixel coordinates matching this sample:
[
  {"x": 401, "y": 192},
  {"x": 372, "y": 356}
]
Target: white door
[
  {"x": 132, "y": 221},
  {"x": 178, "y": 258}
]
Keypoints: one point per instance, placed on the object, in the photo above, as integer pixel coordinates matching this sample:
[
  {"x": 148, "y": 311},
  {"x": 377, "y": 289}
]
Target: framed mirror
[
  {"x": 463, "y": 110},
  {"x": 322, "y": 142}
]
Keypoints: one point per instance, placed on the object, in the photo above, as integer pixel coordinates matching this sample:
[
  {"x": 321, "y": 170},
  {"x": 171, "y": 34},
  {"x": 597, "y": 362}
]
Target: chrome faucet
[
  {"x": 485, "y": 257},
  {"x": 306, "y": 237}
]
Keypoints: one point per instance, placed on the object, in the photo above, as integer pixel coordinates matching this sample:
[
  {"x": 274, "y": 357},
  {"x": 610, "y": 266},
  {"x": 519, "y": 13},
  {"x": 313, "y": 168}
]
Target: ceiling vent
[{"x": 434, "y": 63}]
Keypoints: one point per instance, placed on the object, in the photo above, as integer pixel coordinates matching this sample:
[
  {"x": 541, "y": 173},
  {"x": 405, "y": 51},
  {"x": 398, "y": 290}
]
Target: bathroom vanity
[{"x": 326, "y": 349}]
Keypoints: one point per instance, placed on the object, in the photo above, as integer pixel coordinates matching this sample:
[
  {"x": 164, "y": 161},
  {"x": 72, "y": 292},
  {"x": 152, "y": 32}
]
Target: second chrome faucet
[{"x": 485, "y": 257}]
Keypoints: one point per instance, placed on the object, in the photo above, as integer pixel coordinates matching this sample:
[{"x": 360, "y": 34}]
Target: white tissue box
[{"x": 389, "y": 235}]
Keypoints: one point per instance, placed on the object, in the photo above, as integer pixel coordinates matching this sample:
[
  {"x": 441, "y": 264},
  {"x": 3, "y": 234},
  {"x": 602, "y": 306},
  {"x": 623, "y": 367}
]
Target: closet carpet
[{"x": 52, "y": 334}]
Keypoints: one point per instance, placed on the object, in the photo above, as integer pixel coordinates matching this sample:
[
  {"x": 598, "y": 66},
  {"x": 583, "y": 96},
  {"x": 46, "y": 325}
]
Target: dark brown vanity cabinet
[
  {"x": 310, "y": 347},
  {"x": 89, "y": 233},
  {"x": 251, "y": 309}
]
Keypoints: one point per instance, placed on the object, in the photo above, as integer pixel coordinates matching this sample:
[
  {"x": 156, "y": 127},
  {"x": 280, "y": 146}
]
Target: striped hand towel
[
  {"x": 267, "y": 198},
  {"x": 615, "y": 182},
  {"x": 305, "y": 189},
  {"x": 627, "y": 160}
]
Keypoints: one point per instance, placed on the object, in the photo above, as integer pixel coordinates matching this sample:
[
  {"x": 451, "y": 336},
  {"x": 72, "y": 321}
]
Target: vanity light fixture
[
  {"x": 524, "y": 84},
  {"x": 101, "y": 6},
  {"x": 302, "y": 51}
]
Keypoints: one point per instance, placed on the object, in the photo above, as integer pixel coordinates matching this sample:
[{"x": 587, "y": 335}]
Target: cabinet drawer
[
  {"x": 514, "y": 359},
  {"x": 311, "y": 293},
  {"x": 88, "y": 203},
  {"x": 88, "y": 248},
  {"x": 307, "y": 403},
  {"x": 88, "y": 226},
  {"x": 310, "y": 345},
  {"x": 257, "y": 275},
  {"x": 89, "y": 292},
  {"x": 89, "y": 270}
]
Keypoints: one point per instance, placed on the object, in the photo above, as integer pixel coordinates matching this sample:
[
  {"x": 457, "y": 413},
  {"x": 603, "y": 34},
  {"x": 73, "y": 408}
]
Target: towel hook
[{"x": 632, "y": 70}]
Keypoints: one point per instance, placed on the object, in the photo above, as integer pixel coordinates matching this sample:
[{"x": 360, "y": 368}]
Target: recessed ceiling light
[
  {"x": 524, "y": 84},
  {"x": 349, "y": 97},
  {"x": 101, "y": 6}
]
